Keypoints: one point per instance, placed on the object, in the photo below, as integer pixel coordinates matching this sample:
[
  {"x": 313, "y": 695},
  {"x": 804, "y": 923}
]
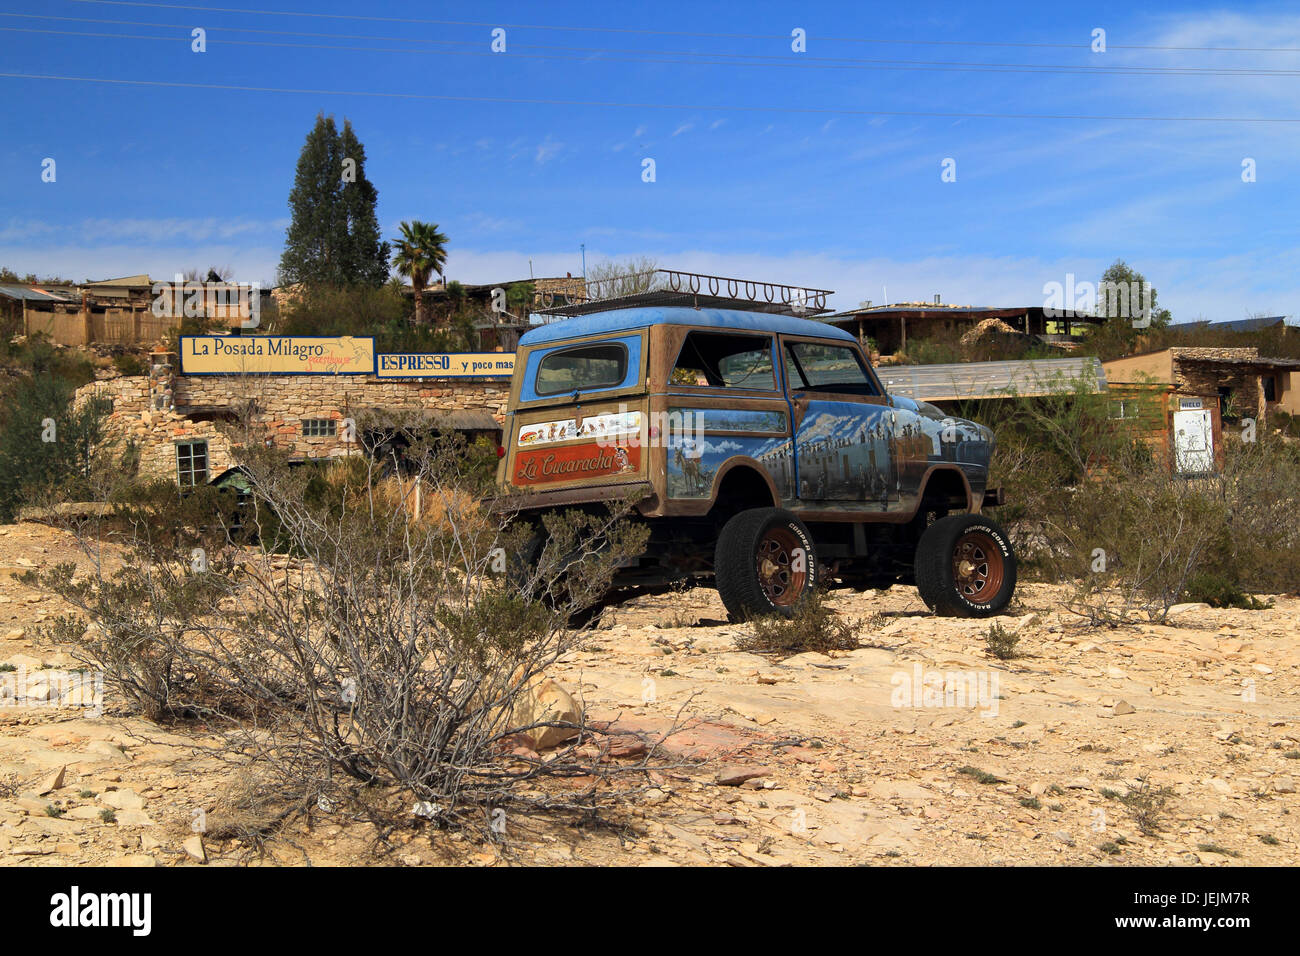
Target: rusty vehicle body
[{"x": 761, "y": 450}]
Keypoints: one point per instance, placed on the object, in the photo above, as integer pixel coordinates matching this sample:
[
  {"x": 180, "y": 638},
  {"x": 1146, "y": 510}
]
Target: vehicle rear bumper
[{"x": 514, "y": 501}]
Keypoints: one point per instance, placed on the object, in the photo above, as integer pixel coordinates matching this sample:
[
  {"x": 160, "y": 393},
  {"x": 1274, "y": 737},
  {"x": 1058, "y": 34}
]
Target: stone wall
[
  {"x": 1206, "y": 370},
  {"x": 163, "y": 409}
]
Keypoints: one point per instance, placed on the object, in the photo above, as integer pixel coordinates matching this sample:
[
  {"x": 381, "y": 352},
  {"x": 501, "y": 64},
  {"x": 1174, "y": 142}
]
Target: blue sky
[{"x": 820, "y": 168}]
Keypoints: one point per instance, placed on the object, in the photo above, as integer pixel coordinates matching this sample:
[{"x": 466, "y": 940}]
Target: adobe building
[
  {"x": 1246, "y": 384},
  {"x": 132, "y": 310}
]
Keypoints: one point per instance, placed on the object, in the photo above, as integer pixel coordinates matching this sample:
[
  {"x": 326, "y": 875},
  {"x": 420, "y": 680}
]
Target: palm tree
[{"x": 419, "y": 252}]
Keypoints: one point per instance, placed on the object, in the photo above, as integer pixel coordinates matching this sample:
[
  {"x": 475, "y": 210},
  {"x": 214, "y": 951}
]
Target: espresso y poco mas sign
[
  {"x": 276, "y": 355},
  {"x": 446, "y": 365}
]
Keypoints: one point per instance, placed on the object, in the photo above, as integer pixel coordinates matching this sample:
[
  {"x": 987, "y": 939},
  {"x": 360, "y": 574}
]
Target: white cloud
[{"x": 547, "y": 150}]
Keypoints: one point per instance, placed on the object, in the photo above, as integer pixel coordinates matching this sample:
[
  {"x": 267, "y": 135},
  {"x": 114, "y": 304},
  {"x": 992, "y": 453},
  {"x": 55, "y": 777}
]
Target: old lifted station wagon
[{"x": 761, "y": 450}]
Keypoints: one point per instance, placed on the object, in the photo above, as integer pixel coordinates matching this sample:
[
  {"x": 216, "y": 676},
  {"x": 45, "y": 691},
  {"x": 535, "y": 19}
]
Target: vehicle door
[
  {"x": 845, "y": 438},
  {"x": 723, "y": 405}
]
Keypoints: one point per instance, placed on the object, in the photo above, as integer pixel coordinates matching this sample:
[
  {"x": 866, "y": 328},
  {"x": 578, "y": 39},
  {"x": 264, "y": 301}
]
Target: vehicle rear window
[
  {"x": 719, "y": 360},
  {"x": 583, "y": 367}
]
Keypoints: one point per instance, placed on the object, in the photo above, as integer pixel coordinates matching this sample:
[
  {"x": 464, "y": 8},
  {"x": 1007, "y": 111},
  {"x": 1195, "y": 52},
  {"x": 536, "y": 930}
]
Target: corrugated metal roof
[
  {"x": 30, "y": 294},
  {"x": 972, "y": 380},
  {"x": 126, "y": 281},
  {"x": 1241, "y": 325},
  {"x": 870, "y": 311}
]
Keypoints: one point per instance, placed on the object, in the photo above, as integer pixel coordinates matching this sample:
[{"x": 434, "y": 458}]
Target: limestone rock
[
  {"x": 193, "y": 848},
  {"x": 546, "y": 701},
  {"x": 122, "y": 799}
]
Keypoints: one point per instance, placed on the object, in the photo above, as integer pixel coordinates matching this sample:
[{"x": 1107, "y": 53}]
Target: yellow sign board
[
  {"x": 446, "y": 365},
  {"x": 276, "y": 355}
]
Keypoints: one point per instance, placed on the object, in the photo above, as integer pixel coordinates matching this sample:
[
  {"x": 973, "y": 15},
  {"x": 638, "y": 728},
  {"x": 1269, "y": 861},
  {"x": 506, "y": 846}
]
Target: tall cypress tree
[
  {"x": 333, "y": 235},
  {"x": 367, "y": 252}
]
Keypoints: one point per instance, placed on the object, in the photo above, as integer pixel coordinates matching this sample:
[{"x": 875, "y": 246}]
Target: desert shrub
[
  {"x": 1218, "y": 590},
  {"x": 1168, "y": 539},
  {"x": 37, "y": 355},
  {"x": 1147, "y": 805},
  {"x": 1138, "y": 542},
  {"x": 384, "y": 660},
  {"x": 814, "y": 627},
  {"x": 1257, "y": 494},
  {"x": 1002, "y": 643},
  {"x": 46, "y": 442},
  {"x": 931, "y": 352},
  {"x": 1047, "y": 448},
  {"x": 128, "y": 363},
  {"x": 1081, "y": 486}
]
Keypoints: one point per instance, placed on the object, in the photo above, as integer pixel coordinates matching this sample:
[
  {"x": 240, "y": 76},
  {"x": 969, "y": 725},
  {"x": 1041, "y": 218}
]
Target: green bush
[
  {"x": 46, "y": 443},
  {"x": 128, "y": 363},
  {"x": 384, "y": 313},
  {"x": 1217, "y": 590}
]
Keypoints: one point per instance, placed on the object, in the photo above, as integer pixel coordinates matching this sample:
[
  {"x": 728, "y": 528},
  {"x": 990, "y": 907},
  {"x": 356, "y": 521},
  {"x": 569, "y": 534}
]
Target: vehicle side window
[
  {"x": 792, "y": 373},
  {"x": 822, "y": 367},
  {"x": 601, "y": 365},
  {"x": 719, "y": 360}
]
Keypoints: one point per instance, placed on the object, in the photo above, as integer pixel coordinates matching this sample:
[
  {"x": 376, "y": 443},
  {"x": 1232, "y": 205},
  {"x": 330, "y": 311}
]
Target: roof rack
[{"x": 692, "y": 289}]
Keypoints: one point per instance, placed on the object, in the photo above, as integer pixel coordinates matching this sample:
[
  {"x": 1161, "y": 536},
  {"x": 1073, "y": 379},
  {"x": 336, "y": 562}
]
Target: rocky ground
[{"x": 1167, "y": 745}]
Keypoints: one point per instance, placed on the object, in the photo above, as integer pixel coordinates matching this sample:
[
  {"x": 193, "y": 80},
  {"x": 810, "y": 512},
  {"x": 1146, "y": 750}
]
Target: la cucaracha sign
[{"x": 329, "y": 355}]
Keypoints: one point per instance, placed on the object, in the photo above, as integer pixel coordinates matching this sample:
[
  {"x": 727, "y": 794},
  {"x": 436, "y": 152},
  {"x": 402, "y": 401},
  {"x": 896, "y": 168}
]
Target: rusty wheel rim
[
  {"x": 781, "y": 583},
  {"x": 977, "y": 566}
]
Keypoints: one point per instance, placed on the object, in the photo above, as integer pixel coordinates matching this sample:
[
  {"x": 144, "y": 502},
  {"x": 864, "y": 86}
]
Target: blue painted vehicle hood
[{"x": 623, "y": 320}]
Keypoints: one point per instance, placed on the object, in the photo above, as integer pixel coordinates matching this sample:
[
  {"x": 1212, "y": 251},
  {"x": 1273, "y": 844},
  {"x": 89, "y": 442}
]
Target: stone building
[
  {"x": 179, "y": 421},
  {"x": 1247, "y": 384}
]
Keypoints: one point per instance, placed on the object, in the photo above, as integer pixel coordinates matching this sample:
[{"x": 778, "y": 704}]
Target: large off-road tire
[
  {"x": 765, "y": 563},
  {"x": 965, "y": 567}
]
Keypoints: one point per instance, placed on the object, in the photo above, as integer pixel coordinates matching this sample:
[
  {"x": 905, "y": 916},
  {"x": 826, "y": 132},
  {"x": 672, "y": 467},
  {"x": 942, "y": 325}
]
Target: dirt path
[{"x": 868, "y": 756}]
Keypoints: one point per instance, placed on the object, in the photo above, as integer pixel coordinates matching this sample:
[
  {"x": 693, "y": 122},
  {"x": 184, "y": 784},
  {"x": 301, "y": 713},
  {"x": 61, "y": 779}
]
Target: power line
[
  {"x": 681, "y": 33},
  {"x": 607, "y": 55},
  {"x": 190, "y": 26},
  {"x": 699, "y": 107}
]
